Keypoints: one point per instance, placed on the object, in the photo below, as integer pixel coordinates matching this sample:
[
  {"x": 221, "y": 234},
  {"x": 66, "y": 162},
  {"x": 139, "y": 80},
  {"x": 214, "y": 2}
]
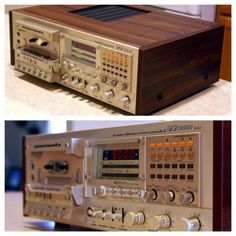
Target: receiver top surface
[{"x": 139, "y": 26}]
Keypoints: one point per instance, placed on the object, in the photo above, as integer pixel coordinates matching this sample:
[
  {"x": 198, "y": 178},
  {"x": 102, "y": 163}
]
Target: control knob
[
  {"x": 64, "y": 63},
  {"x": 151, "y": 195},
  {"x": 159, "y": 222},
  {"x": 94, "y": 212},
  {"x": 132, "y": 218},
  {"x": 93, "y": 88},
  {"x": 102, "y": 190},
  {"x": 124, "y": 86},
  {"x": 187, "y": 197},
  {"x": 168, "y": 195},
  {"x": 104, "y": 78},
  {"x": 108, "y": 95},
  {"x": 191, "y": 224},
  {"x": 125, "y": 100},
  {"x": 64, "y": 77},
  {"x": 71, "y": 66}
]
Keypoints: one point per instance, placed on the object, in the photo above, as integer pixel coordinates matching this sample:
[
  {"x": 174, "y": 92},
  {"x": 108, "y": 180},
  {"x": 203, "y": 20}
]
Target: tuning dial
[
  {"x": 168, "y": 196},
  {"x": 132, "y": 218},
  {"x": 187, "y": 197},
  {"x": 191, "y": 224},
  {"x": 125, "y": 100},
  {"x": 93, "y": 88},
  {"x": 108, "y": 95},
  {"x": 159, "y": 222}
]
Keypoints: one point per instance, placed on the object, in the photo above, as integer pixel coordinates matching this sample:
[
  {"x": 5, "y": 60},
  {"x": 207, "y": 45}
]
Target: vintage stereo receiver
[
  {"x": 166, "y": 176},
  {"x": 136, "y": 58}
]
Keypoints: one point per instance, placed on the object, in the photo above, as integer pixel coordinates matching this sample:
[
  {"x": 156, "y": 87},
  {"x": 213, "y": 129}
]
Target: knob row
[
  {"x": 94, "y": 88},
  {"x": 161, "y": 222},
  {"x": 157, "y": 222},
  {"x": 168, "y": 196}
]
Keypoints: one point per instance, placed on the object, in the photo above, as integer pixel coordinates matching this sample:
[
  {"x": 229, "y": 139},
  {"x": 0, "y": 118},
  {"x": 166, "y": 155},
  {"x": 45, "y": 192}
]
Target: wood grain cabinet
[{"x": 223, "y": 16}]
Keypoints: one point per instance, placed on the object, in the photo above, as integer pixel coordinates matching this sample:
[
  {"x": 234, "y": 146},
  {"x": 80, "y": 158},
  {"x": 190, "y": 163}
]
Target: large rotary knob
[
  {"x": 132, "y": 218},
  {"x": 93, "y": 88},
  {"x": 108, "y": 95},
  {"x": 159, "y": 222},
  {"x": 191, "y": 224},
  {"x": 187, "y": 197}
]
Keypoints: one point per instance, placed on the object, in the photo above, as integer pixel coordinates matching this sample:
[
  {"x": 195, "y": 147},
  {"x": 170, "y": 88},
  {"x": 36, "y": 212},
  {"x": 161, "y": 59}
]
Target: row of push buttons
[
  {"x": 167, "y": 176},
  {"x": 172, "y": 154},
  {"x": 48, "y": 211},
  {"x": 174, "y": 166},
  {"x": 171, "y": 144}
]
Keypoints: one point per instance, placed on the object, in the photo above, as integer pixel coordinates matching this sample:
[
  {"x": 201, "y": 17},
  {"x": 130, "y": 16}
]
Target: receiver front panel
[
  {"x": 124, "y": 178},
  {"x": 96, "y": 66}
]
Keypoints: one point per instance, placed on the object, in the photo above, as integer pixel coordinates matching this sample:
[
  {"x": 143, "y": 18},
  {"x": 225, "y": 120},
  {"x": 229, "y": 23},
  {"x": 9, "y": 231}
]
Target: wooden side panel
[
  {"x": 224, "y": 17},
  {"x": 11, "y": 39},
  {"x": 222, "y": 176},
  {"x": 176, "y": 70},
  {"x": 24, "y": 171}
]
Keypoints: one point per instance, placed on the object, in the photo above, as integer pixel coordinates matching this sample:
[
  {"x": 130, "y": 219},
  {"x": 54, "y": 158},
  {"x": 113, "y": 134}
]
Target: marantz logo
[
  {"x": 116, "y": 47},
  {"x": 47, "y": 145},
  {"x": 104, "y": 44},
  {"x": 168, "y": 129}
]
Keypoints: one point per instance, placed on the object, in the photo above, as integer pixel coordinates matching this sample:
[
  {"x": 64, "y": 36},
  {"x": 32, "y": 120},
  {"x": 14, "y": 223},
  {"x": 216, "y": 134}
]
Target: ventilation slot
[{"x": 108, "y": 12}]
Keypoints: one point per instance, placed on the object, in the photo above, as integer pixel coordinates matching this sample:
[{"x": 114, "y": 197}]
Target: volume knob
[
  {"x": 108, "y": 95},
  {"x": 132, "y": 218},
  {"x": 191, "y": 224},
  {"x": 93, "y": 88},
  {"x": 159, "y": 222}
]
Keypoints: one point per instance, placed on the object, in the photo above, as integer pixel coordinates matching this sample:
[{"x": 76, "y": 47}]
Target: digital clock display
[{"x": 121, "y": 154}]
